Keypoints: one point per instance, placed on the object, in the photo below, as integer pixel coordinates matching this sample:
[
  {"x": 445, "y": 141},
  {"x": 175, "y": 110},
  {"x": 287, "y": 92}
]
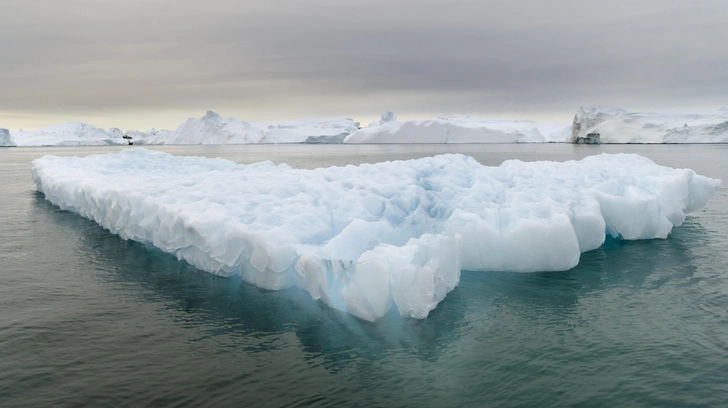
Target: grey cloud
[{"x": 329, "y": 57}]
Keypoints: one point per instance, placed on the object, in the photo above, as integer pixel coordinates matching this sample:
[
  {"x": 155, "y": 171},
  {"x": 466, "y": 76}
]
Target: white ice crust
[
  {"x": 455, "y": 129},
  {"x": 365, "y": 238},
  {"x": 616, "y": 125}
]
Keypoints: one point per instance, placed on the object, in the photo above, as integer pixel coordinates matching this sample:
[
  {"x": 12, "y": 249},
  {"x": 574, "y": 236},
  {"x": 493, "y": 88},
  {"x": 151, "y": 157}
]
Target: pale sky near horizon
[{"x": 137, "y": 64}]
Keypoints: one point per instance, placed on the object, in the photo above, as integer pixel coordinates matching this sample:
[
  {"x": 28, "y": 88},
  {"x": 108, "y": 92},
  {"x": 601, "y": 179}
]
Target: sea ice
[
  {"x": 366, "y": 238},
  {"x": 616, "y": 125},
  {"x": 454, "y": 129}
]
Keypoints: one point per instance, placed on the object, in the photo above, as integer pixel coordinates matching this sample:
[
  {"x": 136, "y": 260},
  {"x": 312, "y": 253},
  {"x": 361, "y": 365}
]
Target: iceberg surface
[
  {"x": 451, "y": 129},
  {"x": 367, "y": 238},
  {"x": 616, "y": 125}
]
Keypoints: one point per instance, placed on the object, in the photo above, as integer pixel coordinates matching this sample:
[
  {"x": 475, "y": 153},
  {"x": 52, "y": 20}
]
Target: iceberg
[
  {"x": 616, "y": 125},
  {"x": 5, "y": 139},
  {"x": 555, "y": 132},
  {"x": 68, "y": 134},
  {"x": 369, "y": 238},
  {"x": 454, "y": 129},
  {"x": 213, "y": 129}
]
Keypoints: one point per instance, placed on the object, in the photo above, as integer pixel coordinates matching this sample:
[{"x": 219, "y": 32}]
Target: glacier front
[{"x": 364, "y": 239}]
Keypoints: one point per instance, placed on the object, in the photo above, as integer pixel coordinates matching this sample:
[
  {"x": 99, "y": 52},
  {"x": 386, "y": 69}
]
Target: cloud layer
[{"x": 280, "y": 59}]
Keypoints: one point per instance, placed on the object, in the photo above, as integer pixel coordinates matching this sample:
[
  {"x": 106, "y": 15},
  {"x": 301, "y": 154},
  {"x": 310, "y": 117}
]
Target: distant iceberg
[
  {"x": 213, "y": 129},
  {"x": 210, "y": 129},
  {"x": 364, "y": 239},
  {"x": 458, "y": 129},
  {"x": 614, "y": 125},
  {"x": 68, "y": 134}
]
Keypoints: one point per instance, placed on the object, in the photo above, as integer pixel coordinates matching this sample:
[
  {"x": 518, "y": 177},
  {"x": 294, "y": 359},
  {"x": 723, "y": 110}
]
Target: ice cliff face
[
  {"x": 5, "y": 139},
  {"x": 451, "y": 129},
  {"x": 616, "y": 125}
]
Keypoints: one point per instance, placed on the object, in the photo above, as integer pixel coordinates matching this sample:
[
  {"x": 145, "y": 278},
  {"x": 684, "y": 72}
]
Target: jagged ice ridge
[{"x": 365, "y": 238}]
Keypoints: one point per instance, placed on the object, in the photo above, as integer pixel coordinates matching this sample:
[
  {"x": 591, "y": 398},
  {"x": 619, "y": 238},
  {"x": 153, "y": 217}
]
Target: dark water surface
[{"x": 87, "y": 319}]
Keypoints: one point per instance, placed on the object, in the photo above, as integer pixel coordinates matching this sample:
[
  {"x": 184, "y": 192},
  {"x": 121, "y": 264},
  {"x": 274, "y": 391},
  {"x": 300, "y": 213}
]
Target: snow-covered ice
[
  {"x": 67, "y": 134},
  {"x": 616, "y": 125},
  {"x": 454, "y": 129},
  {"x": 365, "y": 238}
]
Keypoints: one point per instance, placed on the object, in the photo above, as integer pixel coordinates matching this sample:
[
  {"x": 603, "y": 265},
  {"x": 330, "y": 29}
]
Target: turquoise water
[{"x": 87, "y": 319}]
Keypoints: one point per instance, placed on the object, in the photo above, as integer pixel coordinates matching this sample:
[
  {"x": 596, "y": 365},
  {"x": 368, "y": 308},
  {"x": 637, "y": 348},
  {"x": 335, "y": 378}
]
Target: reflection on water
[{"x": 89, "y": 319}]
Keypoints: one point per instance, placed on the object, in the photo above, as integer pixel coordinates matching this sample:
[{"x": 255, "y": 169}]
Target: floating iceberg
[
  {"x": 454, "y": 129},
  {"x": 68, "y": 134},
  {"x": 366, "y": 238},
  {"x": 620, "y": 126}
]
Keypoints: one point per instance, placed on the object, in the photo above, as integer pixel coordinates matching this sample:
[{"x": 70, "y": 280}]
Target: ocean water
[{"x": 88, "y": 319}]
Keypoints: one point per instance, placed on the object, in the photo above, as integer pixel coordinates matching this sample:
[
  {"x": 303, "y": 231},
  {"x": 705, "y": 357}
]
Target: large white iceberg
[
  {"x": 454, "y": 129},
  {"x": 365, "y": 238},
  {"x": 68, "y": 134},
  {"x": 616, "y": 125}
]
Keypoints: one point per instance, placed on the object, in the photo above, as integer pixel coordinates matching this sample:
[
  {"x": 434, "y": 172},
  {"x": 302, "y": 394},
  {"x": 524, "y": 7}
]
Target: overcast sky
[{"x": 144, "y": 63}]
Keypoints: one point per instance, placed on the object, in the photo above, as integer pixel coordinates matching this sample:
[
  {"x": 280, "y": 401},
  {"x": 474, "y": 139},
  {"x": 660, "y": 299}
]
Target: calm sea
[{"x": 87, "y": 319}]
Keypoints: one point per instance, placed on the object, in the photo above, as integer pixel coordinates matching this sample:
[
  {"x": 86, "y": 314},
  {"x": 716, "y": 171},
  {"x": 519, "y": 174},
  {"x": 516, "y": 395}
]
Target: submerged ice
[{"x": 367, "y": 238}]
